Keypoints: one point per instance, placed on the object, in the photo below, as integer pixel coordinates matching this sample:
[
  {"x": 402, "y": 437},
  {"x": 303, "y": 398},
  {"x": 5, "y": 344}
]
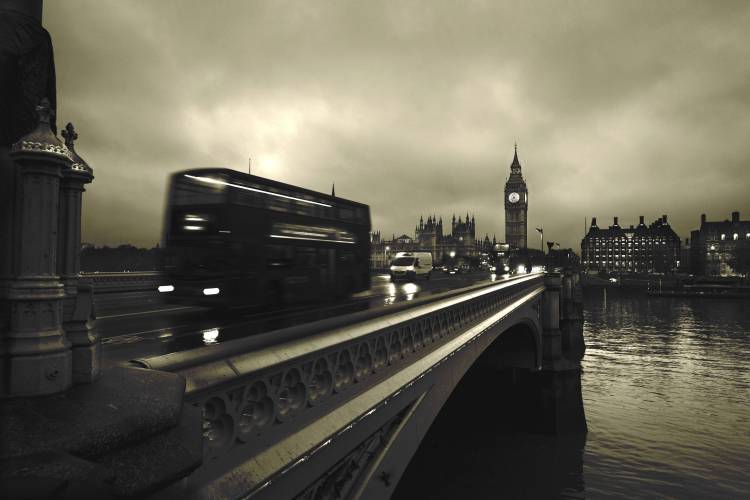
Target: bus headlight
[
  {"x": 210, "y": 291},
  {"x": 165, "y": 288}
]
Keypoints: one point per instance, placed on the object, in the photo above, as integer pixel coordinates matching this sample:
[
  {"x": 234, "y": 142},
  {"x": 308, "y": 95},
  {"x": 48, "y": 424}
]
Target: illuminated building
[
  {"x": 461, "y": 242},
  {"x": 652, "y": 248},
  {"x": 429, "y": 237},
  {"x": 721, "y": 248}
]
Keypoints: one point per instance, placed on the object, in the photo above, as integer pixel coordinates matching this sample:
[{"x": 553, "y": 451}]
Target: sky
[{"x": 620, "y": 108}]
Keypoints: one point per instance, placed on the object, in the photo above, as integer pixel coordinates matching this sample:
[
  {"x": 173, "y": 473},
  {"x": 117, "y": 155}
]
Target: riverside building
[
  {"x": 641, "y": 248},
  {"x": 721, "y": 248}
]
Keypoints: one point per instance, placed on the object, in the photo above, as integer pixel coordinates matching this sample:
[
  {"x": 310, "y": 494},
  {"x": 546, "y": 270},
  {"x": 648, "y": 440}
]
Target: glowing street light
[{"x": 541, "y": 238}]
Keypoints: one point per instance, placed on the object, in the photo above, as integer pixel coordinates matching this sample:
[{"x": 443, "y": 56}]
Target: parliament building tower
[{"x": 516, "y": 205}]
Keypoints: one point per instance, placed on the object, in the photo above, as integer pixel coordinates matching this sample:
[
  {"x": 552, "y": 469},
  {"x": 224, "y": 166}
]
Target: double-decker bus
[{"x": 235, "y": 239}]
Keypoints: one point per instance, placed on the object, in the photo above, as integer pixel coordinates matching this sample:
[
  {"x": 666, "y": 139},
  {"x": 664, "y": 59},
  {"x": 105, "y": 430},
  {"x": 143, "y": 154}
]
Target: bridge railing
[
  {"x": 257, "y": 390},
  {"x": 124, "y": 282}
]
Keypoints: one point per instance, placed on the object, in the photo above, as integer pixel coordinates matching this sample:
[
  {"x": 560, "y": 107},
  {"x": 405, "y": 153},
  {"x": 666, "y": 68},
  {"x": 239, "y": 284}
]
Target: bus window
[
  {"x": 190, "y": 192},
  {"x": 283, "y": 230},
  {"x": 195, "y": 223}
]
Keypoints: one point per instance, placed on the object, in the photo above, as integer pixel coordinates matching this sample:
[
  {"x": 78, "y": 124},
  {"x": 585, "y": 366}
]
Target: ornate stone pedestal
[
  {"x": 78, "y": 318},
  {"x": 37, "y": 353}
]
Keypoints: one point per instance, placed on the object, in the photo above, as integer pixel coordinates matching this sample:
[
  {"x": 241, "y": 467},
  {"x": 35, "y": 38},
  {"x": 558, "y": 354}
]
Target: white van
[{"x": 411, "y": 265}]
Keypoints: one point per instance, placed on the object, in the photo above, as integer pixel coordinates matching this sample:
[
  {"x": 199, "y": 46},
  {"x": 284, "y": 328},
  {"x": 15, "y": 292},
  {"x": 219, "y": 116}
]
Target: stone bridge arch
[{"x": 513, "y": 345}]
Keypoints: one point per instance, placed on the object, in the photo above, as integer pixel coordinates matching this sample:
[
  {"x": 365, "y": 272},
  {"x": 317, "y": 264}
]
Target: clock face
[{"x": 513, "y": 197}]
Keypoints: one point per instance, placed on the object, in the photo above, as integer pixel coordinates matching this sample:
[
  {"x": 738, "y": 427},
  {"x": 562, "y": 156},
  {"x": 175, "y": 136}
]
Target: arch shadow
[{"x": 492, "y": 437}]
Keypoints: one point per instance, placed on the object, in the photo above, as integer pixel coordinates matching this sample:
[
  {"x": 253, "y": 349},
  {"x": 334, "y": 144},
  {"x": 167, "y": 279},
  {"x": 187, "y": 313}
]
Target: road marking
[{"x": 139, "y": 313}]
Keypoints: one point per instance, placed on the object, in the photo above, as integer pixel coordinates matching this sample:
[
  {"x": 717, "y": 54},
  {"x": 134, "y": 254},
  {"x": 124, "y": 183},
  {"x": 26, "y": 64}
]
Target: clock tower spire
[{"x": 516, "y": 205}]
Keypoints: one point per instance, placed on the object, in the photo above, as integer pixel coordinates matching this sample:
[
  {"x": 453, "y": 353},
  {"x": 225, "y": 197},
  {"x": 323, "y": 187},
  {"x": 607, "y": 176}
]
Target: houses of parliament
[{"x": 461, "y": 243}]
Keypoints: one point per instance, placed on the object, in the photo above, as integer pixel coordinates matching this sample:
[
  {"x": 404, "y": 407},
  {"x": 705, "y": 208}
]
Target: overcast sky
[{"x": 619, "y": 108}]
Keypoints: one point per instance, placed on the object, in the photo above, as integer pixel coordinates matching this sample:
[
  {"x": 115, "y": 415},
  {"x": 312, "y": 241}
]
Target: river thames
[{"x": 666, "y": 394}]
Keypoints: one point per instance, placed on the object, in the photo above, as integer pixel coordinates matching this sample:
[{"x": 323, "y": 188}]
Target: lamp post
[
  {"x": 541, "y": 238},
  {"x": 385, "y": 256}
]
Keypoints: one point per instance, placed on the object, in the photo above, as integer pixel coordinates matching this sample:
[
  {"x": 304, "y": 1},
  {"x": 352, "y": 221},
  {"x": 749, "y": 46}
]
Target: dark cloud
[{"x": 619, "y": 108}]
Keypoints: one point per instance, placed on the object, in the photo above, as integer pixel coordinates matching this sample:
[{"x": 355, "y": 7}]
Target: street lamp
[
  {"x": 541, "y": 238},
  {"x": 385, "y": 256}
]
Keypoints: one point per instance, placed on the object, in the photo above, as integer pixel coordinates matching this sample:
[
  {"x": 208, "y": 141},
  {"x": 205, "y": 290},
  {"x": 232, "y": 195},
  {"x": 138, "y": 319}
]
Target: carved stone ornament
[
  {"x": 79, "y": 164},
  {"x": 41, "y": 139}
]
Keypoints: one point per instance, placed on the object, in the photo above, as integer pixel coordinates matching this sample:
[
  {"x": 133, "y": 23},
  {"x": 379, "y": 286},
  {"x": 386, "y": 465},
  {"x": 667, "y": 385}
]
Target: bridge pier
[
  {"x": 551, "y": 335},
  {"x": 562, "y": 322},
  {"x": 552, "y": 395},
  {"x": 571, "y": 317}
]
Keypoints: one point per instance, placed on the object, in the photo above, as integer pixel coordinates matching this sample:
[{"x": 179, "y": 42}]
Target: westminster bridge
[{"x": 329, "y": 408}]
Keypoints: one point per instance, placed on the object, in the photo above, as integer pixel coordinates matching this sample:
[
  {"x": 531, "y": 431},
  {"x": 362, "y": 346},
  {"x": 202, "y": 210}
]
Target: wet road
[{"x": 152, "y": 328}]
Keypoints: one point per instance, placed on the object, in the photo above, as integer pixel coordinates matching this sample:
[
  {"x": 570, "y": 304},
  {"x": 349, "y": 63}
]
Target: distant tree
[{"x": 121, "y": 258}]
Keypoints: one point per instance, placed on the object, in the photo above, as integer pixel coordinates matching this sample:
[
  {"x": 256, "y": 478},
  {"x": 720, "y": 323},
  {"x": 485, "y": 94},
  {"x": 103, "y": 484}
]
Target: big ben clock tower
[{"x": 516, "y": 205}]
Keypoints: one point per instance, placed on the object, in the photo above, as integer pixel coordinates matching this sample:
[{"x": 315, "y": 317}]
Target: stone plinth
[
  {"x": 126, "y": 435},
  {"x": 38, "y": 358}
]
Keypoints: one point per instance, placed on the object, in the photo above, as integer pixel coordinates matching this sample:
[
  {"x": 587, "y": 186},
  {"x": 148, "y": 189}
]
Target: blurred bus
[{"x": 235, "y": 239}]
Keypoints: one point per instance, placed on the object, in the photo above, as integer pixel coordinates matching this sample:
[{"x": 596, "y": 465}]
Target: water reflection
[
  {"x": 410, "y": 289},
  {"x": 165, "y": 334},
  {"x": 666, "y": 388},
  {"x": 390, "y": 294}
]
